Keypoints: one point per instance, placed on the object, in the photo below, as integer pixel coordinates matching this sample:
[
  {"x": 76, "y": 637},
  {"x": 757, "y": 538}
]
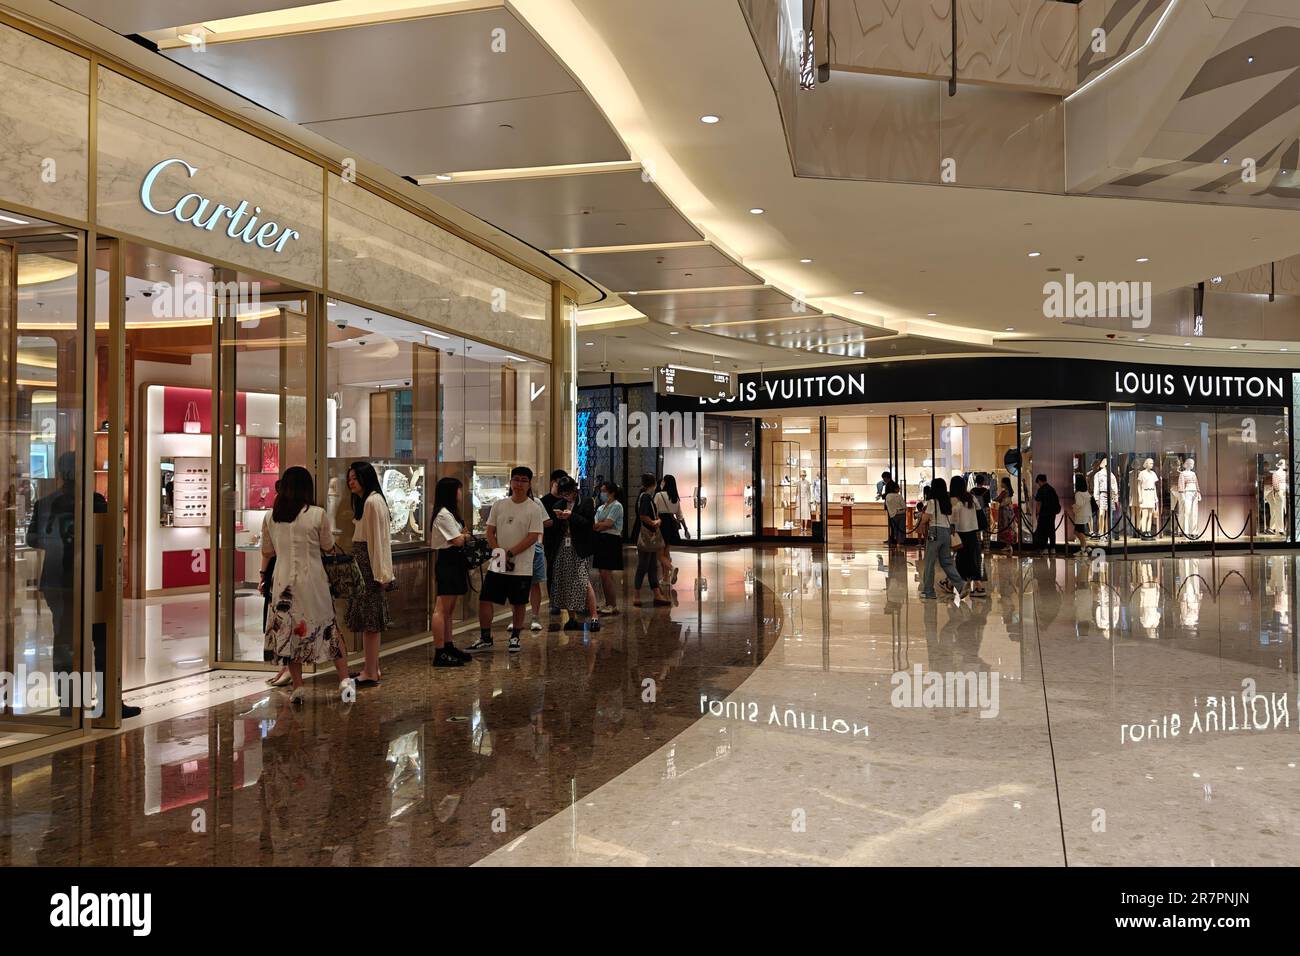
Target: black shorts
[
  {"x": 501, "y": 588},
  {"x": 669, "y": 529},
  {"x": 609, "y": 552},
  {"x": 1080, "y": 528},
  {"x": 451, "y": 572}
]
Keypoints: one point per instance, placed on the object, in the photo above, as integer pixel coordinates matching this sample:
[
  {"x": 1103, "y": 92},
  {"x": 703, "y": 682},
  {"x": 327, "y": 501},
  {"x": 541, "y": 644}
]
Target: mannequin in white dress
[
  {"x": 1189, "y": 498},
  {"x": 1276, "y": 494},
  {"x": 1105, "y": 490},
  {"x": 1148, "y": 501}
]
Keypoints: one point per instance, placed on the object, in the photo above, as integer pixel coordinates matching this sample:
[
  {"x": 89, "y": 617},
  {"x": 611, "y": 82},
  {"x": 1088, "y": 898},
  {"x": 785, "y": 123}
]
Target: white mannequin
[
  {"x": 1276, "y": 494},
  {"x": 1148, "y": 501},
  {"x": 1189, "y": 497},
  {"x": 805, "y": 500},
  {"x": 1105, "y": 488}
]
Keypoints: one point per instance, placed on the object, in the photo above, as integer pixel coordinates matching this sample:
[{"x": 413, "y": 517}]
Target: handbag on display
[
  {"x": 191, "y": 424},
  {"x": 344, "y": 576}
]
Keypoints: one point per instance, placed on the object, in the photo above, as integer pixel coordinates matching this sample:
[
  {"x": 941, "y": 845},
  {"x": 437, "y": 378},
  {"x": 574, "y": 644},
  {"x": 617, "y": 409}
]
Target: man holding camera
[{"x": 514, "y": 526}]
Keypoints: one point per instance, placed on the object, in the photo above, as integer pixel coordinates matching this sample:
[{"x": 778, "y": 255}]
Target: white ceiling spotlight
[
  {"x": 1009, "y": 328},
  {"x": 1216, "y": 280},
  {"x": 805, "y": 261},
  {"x": 1034, "y": 255},
  {"x": 933, "y": 315},
  {"x": 1143, "y": 259},
  {"x": 443, "y": 177},
  {"x": 858, "y": 292},
  {"x": 756, "y": 211},
  {"x": 708, "y": 119}
]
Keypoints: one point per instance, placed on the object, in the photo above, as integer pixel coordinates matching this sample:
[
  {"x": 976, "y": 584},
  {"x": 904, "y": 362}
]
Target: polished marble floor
[{"x": 1135, "y": 712}]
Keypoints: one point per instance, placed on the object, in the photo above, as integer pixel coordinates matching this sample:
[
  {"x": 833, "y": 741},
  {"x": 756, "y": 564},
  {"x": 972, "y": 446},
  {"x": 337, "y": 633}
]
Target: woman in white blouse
[
  {"x": 372, "y": 549},
  {"x": 301, "y": 627}
]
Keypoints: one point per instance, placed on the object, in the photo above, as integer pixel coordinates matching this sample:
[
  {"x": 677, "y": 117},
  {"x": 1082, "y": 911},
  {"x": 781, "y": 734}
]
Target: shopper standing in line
[
  {"x": 572, "y": 578},
  {"x": 882, "y": 489},
  {"x": 514, "y": 527},
  {"x": 668, "y": 506},
  {"x": 301, "y": 628},
  {"x": 372, "y": 548},
  {"x": 553, "y": 535},
  {"x": 895, "y": 506},
  {"x": 282, "y": 677},
  {"x": 1081, "y": 509},
  {"x": 982, "y": 497},
  {"x": 1048, "y": 505},
  {"x": 965, "y": 521},
  {"x": 936, "y": 532},
  {"x": 539, "y": 564},
  {"x": 647, "y": 562},
  {"x": 609, "y": 542},
  {"x": 450, "y": 570}
]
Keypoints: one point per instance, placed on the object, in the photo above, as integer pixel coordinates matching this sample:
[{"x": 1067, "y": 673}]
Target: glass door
[{"x": 47, "y": 507}]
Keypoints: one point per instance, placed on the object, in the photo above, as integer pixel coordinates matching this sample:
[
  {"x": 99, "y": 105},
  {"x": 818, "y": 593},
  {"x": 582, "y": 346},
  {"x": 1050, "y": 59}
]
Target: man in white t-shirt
[{"x": 514, "y": 526}]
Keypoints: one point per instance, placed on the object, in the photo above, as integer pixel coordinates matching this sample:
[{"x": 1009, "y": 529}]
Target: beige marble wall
[
  {"x": 385, "y": 256},
  {"x": 1028, "y": 44},
  {"x": 139, "y": 127},
  {"x": 1127, "y": 24},
  {"x": 44, "y": 116}
]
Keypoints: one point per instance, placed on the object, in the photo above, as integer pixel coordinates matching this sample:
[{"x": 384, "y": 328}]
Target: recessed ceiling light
[
  {"x": 645, "y": 369},
  {"x": 1143, "y": 259},
  {"x": 709, "y": 119},
  {"x": 630, "y": 292},
  {"x": 805, "y": 261},
  {"x": 443, "y": 177},
  {"x": 1284, "y": 349},
  {"x": 567, "y": 249},
  {"x": 1187, "y": 343},
  {"x": 1250, "y": 59},
  {"x": 1232, "y": 346},
  {"x": 1142, "y": 338},
  {"x": 1034, "y": 255},
  {"x": 674, "y": 333},
  {"x": 439, "y": 335},
  {"x": 1226, "y": 159},
  {"x": 1009, "y": 328},
  {"x": 858, "y": 292},
  {"x": 933, "y": 315},
  {"x": 588, "y": 343},
  {"x": 15, "y": 221},
  {"x": 1216, "y": 280},
  {"x": 756, "y": 211}
]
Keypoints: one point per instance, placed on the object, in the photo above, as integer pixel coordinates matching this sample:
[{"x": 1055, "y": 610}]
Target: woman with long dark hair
[
  {"x": 372, "y": 549},
  {"x": 965, "y": 521},
  {"x": 571, "y": 578},
  {"x": 301, "y": 627},
  {"x": 450, "y": 569},
  {"x": 936, "y": 532},
  {"x": 669, "y": 507}
]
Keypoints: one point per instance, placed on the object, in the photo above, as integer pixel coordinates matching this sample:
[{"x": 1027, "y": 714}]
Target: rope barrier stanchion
[
  {"x": 1250, "y": 520},
  {"x": 1173, "y": 534},
  {"x": 1213, "y": 520},
  {"x": 1124, "y": 523}
]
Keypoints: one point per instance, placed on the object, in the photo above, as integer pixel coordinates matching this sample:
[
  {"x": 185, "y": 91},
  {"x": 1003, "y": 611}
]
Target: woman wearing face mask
[
  {"x": 571, "y": 577},
  {"x": 372, "y": 549},
  {"x": 609, "y": 542}
]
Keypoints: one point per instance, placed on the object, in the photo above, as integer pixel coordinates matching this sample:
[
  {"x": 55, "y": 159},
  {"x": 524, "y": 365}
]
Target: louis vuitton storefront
[
  {"x": 1170, "y": 455},
  {"x": 189, "y": 305}
]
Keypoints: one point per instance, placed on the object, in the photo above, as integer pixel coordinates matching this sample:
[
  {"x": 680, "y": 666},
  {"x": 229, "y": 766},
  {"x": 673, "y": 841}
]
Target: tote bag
[{"x": 344, "y": 576}]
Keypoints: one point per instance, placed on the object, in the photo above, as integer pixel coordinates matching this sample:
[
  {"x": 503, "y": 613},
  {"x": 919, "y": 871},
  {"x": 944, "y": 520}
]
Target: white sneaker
[{"x": 535, "y": 626}]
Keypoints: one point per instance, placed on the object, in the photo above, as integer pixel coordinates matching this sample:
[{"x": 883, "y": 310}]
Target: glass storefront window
[
  {"x": 791, "y": 482},
  {"x": 43, "y": 439}
]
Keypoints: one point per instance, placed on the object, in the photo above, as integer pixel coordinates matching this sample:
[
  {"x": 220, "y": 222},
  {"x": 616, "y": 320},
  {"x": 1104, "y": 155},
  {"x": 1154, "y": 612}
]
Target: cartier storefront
[{"x": 188, "y": 306}]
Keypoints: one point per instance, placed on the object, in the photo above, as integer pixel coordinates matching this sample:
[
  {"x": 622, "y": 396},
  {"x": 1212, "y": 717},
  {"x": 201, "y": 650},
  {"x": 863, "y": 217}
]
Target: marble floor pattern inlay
[{"x": 755, "y": 722}]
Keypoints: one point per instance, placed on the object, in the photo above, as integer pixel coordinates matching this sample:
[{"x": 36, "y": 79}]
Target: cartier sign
[
  {"x": 203, "y": 213},
  {"x": 1182, "y": 385}
]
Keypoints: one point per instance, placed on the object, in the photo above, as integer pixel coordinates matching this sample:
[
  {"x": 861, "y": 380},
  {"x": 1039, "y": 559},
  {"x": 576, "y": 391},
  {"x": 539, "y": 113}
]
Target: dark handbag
[{"x": 344, "y": 576}]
